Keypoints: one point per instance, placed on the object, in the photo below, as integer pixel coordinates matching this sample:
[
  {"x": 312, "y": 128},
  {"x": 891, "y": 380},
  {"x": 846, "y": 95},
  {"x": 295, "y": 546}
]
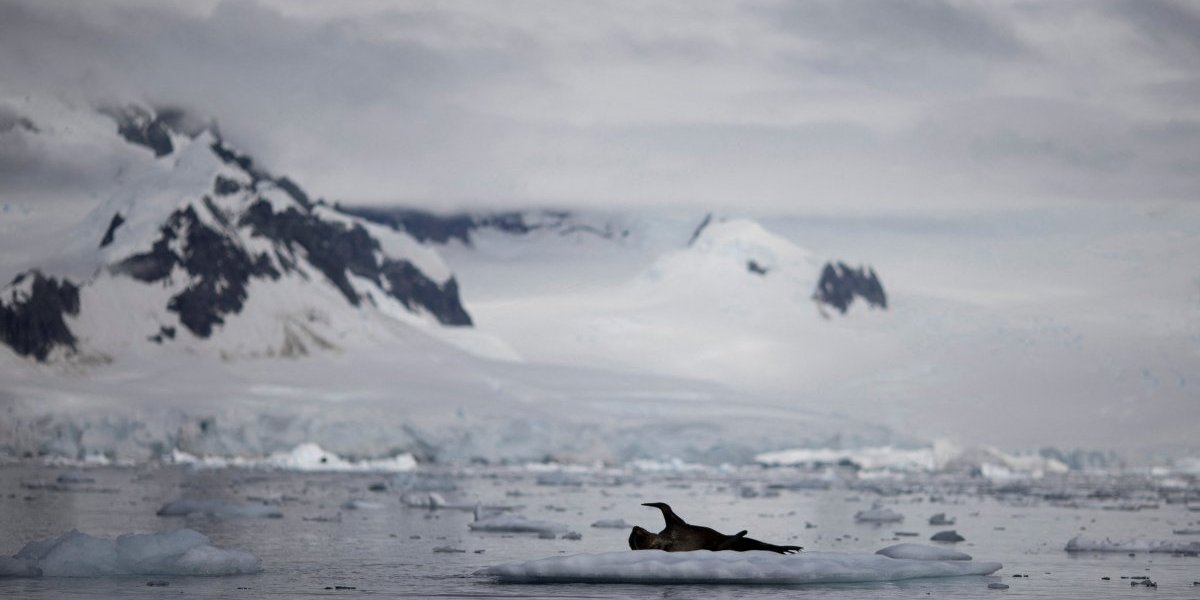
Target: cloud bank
[{"x": 815, "y": 106}]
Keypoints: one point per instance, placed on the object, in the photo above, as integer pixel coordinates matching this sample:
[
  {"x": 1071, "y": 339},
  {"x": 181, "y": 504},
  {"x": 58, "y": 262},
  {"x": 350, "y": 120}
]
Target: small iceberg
[
  {"x": 950, "y": 535},
  {"x": 76, "y": 554},
  {"x": 1080, "y": 543},
  {"x": 217, "y": 509},
  {"x": 922, "y": 552},
  {"x": 510, "y": 523},
  {"x": 878, "y": 514},
  {"x": 704, "y": 567},
  {"x": 940, "y": 520}
]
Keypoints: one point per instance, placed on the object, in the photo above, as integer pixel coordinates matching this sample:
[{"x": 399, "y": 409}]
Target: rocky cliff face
[{"x": 206, "y": 228}]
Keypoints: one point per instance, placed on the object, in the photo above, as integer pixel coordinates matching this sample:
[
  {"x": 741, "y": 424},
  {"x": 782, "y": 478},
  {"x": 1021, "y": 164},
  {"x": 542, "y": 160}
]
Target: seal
[{"x": 679, "y": 536}]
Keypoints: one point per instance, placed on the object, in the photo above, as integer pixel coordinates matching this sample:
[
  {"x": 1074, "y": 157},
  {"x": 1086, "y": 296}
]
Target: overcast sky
[{"x": 860, "y": 106}]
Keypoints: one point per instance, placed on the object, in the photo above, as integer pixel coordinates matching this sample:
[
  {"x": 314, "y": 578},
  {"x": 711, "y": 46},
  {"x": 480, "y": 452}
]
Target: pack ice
[
  {"x": 77, "y": 554},
  {"x": 704, "y": 567}
]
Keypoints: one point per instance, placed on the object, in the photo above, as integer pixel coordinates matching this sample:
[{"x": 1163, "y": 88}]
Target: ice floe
[
  {"x": 922, "y": 552},
  {"x": 510, "y": 523},
  {"x": 656, "y": 566},
  {"x": 611, "y": 524},
  {"x": 878, "y": 514},
  {"x": 177, "y": 552},
  {"x": 218, "y": 509},
  {"x": 1080, "y": 543}
]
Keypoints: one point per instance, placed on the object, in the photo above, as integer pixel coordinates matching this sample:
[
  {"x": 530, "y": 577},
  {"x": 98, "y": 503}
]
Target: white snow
[
  {"x": 922, "y": 552},
  {"x": 176, "y": 552},
  {"x": 218, "y": 509},
  {"x": 512, "y": 523},
  {"x": 699, "y": 567},
  {"x": 1081, "y": 543}
]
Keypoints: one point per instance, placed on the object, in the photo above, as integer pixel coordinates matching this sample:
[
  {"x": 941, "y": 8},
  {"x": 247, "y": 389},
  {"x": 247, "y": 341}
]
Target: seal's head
[{"x": 640, "y": 539}]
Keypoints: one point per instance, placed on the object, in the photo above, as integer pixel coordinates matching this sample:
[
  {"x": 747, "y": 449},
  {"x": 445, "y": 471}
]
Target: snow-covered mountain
[
  {"x": 171, "y": 295},
  {"x": 198, "y": 246}
]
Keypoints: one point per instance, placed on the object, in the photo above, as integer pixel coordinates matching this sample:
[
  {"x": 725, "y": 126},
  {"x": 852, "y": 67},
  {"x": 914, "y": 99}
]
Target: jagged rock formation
[
  {"x": 32, "y": 314},
  {"x": 840, "y": 284},
  {"x": 441, "y": 228},
  {"x": 205, "y": 226}
]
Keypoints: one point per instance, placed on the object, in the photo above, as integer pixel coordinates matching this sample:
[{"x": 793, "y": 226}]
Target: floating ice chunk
[
  {"x": 311, "y": 457},
  {"x": 178, "y": 552},
  {"x": 1083, "y": 544},
  {"x": 611, "y": 524},
  {"x": 361, "y": 505},
  {"x": 940, "y": 520},
  {"x": 950, "y": 535},
  {"x": 218, "y": 509},
  {"x": 702, "y": 566},
  {"x": 878, "y": 514},
  {"x": 922, "y": 552},
  {"x": 510, "y": 523},
  {"x": 423, "y": 500}
]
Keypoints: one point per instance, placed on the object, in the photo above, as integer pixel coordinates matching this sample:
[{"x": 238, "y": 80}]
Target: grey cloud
[
  {"x": 1171, "y": 28},
  {"x": 872, "y": 102}
]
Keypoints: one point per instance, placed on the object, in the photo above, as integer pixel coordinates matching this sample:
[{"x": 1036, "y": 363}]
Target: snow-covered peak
[{"x": 195, "y": 244}]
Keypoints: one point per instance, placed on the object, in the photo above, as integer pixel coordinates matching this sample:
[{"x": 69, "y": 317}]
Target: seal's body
[{"x": 679, "y": 536}]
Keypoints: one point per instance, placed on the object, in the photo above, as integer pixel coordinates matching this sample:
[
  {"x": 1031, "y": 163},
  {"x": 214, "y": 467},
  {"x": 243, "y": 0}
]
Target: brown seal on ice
[{"x": 679, "y": 536}]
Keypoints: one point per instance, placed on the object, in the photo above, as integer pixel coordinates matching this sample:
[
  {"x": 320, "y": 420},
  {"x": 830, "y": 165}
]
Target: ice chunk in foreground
[
  {"x": 178, "y": 552},
  {"x": 510, "y": 523},
  {"x": 218, "y": 509},
  {"x": 1083, "y": 544},
  {"x": 922, "y": 552},
  {"x": 702, "y": 566}
]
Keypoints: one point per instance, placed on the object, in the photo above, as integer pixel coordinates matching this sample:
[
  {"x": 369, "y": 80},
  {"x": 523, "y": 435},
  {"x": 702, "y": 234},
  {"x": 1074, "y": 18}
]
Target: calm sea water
[{"x": 389, "y": 551}]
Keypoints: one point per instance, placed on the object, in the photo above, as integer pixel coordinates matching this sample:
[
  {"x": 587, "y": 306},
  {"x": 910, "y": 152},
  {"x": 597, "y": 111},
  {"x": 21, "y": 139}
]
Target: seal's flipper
[
  {"x": 669, "y": 515},
  {"x": 741, "y": 533},
  {"x": 740, "y": 543}
]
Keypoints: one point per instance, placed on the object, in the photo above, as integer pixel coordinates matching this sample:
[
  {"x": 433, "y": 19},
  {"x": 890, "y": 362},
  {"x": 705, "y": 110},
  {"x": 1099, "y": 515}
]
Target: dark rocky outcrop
[
  {"x": 34, "y": 324},
  {"x": 409, "y": 285},
  {"x": 755, "y": 268},
  {"x": 116, "y": 222},
  {"x": 218, "y": 268},
  {"x": 427, "y": 226},
  {"x": 224, "y": 186},
  {"x": 142, "y": 127},
  {"x": 840, "y": 284},
  {"x": 339, "y": 251}
]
